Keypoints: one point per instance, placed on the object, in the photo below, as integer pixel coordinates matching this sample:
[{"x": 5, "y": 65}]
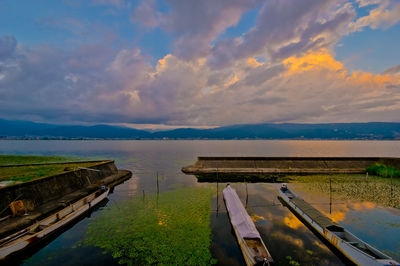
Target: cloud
[
  {"x": 286, "y": 28},
  {"x": 385, "y": 15},
  {"x": 205, "y": 80},
  {"x": 364, "y": 3},
  {"x": 147, "y": 15},
  {"x": 392, "y": 70},
  {"x": 94, "y": 83},
  {"x": 51, "y": 83},
  {"x": 194, "y": 24}
]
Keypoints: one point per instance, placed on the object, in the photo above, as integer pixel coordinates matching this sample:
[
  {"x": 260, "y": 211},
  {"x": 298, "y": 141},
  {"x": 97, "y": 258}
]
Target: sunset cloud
[
  {"x": 385, "y": 15},
  {"x": 214, "y": 64}
]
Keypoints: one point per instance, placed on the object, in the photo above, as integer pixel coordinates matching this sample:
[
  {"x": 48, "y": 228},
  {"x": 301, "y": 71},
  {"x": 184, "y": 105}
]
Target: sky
[{"x": 190, "y": 63}]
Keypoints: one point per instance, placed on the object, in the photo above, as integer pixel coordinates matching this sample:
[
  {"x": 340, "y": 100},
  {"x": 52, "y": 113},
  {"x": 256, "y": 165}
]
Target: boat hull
[
  {"x": 250, "y": 244},
  {"x": 352, "y": 253},
  {"x": 50, "y": 225}
]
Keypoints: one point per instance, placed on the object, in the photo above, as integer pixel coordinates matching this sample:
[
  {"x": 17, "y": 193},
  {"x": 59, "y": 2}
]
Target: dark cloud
[
  {"x": 260, "y": 75},
  {"x": 392, "y": 70}
]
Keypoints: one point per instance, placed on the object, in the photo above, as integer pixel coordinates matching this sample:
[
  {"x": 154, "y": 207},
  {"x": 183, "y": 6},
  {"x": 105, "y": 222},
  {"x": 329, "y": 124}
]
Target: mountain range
[{"x": 371, "y": 130}]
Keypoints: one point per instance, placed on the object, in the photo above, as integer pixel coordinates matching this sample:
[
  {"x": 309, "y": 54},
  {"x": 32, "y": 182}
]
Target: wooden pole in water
[
  {"x": 330, "y": 194},
  {"x": 391, "y": 187},
  {"x": 217, "y": 194},
  {"x": 143, "y": 194},
  {"x": 247, "y": 195},
  {"x": 158, "y": 186}
]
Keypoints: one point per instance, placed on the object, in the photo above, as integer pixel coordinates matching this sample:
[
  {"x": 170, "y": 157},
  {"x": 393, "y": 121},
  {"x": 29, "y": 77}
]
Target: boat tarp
[
  {"x": 240, "y": 219},
  {"x": 313, "y": 213}
]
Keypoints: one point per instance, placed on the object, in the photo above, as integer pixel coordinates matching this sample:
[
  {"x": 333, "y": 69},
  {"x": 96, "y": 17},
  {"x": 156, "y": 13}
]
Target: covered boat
[
  {"x": 353, "y": 248},
  {"x": 40, "y": 230},
  {"x": 253, "y": 248}
]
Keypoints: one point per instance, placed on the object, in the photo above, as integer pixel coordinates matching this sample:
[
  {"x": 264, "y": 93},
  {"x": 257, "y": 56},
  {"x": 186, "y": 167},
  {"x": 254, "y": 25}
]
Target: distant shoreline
[
  {"x": 175, "y": 139},
  {"x": 26, "y": 130}
]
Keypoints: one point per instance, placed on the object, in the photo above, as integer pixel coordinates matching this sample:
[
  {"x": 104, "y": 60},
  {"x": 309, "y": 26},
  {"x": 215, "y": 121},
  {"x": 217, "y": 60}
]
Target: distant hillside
[
  {"x": 373, "y": 130},
  {"x": 23, "y": 129}
]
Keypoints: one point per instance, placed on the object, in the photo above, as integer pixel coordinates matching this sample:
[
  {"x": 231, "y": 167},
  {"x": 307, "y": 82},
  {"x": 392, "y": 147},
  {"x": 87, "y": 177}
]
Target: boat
[
  {"x": 32, "y": 234},
  {"x": 252, "y": 246},
  {"x": 353, "y": 248}
]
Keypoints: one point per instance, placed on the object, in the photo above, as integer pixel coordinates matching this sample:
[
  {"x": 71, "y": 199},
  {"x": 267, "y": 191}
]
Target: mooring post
[
  {"x": 247, "y": 194},
  {"x": 330, "y": 194},
  {"x": 217, "y": 192},
  {"x": 391, "y": 188},
  {"x": 158, "y": 186}
]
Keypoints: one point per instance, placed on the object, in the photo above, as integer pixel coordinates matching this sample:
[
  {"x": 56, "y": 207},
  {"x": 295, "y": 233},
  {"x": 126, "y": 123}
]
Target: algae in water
[
  {"x": 382, "y": 191},
  {"x": 171, "y": 228}
]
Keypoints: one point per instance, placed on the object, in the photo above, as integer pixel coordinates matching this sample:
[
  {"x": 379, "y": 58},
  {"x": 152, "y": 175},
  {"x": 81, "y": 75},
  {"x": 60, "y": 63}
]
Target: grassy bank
[
  {"x": 29, "y": 173},
  {"x": 383, "y": 170},
  {"x": 382, "y": 191},
  {"x": 12, "y": 174},
  {"x": 33, "y": 159},
  {"x": 170, "y": 229}
]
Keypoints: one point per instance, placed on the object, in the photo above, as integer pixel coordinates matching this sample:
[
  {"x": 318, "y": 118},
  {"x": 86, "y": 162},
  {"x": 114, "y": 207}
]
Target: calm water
[{"x": 287, "y": 239}]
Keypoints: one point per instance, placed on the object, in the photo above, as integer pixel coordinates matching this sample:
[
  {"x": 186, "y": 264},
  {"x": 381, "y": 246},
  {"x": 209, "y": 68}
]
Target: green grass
[
  {"x": 171, "y": 230},
  {"x": 382, "y": 191},
  {"x": 29, "y": 173},
  {"x": 383, "y": 170},
  {"x": 33, "y": 159}
]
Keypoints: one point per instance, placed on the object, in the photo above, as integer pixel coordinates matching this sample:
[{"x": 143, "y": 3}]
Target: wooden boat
[
  {"x": 353, "y": 248},
  {"x": 42, "y": 229},
  {"x": 253, "y": 248}
]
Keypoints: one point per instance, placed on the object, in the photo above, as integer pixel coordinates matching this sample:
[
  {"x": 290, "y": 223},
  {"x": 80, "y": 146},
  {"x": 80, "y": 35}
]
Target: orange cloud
[
  {"x": 162, "y": 62},
  {"x": 253, "y": 62},
  {"x": 322, "y": 60},
  {"x": 312, "y": 60},
  {"x": 232, "y": 81},
  {"x": 369, "y": 79}
]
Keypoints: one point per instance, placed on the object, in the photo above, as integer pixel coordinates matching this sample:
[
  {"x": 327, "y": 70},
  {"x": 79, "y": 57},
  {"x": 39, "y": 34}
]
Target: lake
[{"x": 287, "y": 239}]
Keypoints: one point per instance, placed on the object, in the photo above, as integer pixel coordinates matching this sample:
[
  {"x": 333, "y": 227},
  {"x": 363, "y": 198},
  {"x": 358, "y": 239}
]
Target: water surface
[{"x": 287, "y": 239}]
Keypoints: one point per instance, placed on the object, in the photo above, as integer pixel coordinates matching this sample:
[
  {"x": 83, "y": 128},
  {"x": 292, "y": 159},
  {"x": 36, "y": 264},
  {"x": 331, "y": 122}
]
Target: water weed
[
  {"x": 382, "y": 191},
  {"x": 172, "y": 228}
]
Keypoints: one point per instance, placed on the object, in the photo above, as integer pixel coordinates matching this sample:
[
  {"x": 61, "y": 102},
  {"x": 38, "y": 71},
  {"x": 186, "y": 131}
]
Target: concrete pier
[{"x": 285, "y": 165}]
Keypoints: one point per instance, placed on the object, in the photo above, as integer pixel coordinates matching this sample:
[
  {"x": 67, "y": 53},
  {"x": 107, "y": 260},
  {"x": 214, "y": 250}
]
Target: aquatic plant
[
  {"x": 383, "y": 170},
  {"x": 291, "y": 261},
  {"x": 382, "y": 191},
  {"x": 172, "y": 228}
]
